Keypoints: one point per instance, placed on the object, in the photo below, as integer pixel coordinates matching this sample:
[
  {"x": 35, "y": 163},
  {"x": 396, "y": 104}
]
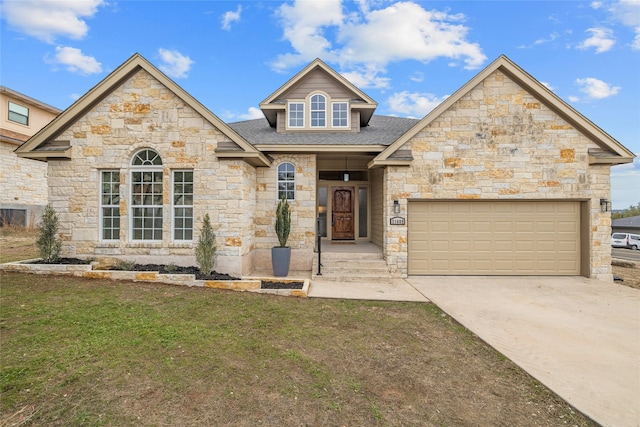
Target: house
[
  {"x": 629, "y": 224},
  {"x": 502, "y": 178},
  {"x": 23, "y": 182}
]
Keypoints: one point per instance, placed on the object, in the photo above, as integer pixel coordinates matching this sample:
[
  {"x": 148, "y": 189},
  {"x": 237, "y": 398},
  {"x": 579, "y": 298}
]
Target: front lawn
[{"x": 81, "y": 352}]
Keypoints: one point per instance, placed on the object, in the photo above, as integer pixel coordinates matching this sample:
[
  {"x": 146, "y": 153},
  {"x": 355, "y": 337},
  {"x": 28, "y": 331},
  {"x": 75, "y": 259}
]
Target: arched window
[
  {"x": 146, "y": 196},
  {"x": 318, "y": 111},
  {"x": 286, "y": 181}
]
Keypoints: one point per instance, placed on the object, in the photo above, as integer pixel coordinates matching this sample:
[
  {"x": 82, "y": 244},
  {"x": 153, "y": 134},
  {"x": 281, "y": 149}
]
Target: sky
[{"x": 407, "y": 55}]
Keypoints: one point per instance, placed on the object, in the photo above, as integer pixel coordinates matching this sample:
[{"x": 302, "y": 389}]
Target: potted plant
[{"x": 281, "y": 255}]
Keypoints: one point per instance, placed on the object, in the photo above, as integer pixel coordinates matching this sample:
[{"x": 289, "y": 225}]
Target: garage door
[{"x": 494, "y": 237}]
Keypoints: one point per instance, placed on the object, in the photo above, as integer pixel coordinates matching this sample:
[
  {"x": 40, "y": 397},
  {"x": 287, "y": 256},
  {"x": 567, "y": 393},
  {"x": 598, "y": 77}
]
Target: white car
[{"x": 625, "y": 240}]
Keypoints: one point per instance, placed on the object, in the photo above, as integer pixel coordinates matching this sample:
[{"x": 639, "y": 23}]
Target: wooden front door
[{"x": 342, "y": 215}]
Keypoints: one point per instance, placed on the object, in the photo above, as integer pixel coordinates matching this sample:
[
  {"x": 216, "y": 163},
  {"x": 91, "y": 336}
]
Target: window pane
[
  {"x": 18, "y": 113},
  {"x": 182, "y": 196},
  {"x": 362, "y": 212},
  {"x": 110, "y": 188}
]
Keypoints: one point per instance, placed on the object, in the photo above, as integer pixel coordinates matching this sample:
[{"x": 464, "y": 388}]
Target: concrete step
[{"x": 352, "y": 267}]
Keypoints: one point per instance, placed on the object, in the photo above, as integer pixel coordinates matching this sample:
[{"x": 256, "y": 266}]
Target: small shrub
[
  {"x": 283, "y": 221},
  {"x": 48, "y": 242},
  {"x": 206, "y": 248},
  {"x": 171, "y": 268},
  {"x": 125, "y": 265}
]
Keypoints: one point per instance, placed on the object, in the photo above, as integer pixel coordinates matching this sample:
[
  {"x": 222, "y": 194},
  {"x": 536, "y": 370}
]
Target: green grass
[{"x": 79, "y": 352}]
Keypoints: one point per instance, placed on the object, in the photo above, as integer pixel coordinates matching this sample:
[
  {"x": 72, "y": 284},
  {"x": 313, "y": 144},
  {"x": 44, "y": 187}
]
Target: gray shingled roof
[
  {"x": 382, "y": 130},
  {"x": 631, "y": 221}
]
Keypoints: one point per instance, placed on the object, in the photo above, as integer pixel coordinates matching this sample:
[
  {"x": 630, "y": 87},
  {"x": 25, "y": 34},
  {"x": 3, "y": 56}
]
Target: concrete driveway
[{"x": 580, "y": 337}]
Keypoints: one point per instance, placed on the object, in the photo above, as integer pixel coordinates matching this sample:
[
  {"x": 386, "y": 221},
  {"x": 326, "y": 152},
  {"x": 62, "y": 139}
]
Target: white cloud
[
  {"x": 596, "y": 5},
  {"x": 303, "y": 24},
  {"x": 174, "y": 63},
  {"x": 628, "y": 13},
  {"x": 597, "y": 89},
  {"x": 75, "y": 61},
  {"x": 601, "y": 39},
  {"x": 367, "y": 77},
  {"x": 252, "y": 113},
  {"x": 414, "y": 104},
  {"x": 368, "y": 39},
  {"x": 548, "y": 86},
  {"x": 47, "y": 20},
  {"x": 229, "y": 17},
  {"x": 625, "y": 180}
]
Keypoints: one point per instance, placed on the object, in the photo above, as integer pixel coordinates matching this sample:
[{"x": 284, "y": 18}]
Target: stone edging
[{"x": 250, "y": 284}]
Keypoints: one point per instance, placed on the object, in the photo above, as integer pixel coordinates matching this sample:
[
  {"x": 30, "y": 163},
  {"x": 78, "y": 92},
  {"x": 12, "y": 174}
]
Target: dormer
[{"x": 318, "y": 99}]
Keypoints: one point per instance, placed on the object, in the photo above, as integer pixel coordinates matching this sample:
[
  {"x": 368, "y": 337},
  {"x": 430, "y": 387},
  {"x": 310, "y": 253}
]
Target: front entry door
[{"x": 342, "y": 215}]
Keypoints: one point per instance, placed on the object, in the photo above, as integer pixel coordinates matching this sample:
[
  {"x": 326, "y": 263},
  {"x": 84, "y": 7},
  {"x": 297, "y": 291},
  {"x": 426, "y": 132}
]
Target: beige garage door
[{"x": 494, "y": 237}]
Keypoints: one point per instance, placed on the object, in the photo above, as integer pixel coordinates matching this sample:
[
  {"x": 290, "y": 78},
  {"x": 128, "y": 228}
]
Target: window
[
  {"x": 110, "y": 205},
  {"x": 18, "y": 113},
  {"x": 183, "y": 205},
  {"x": 146, "y": 196},
  {"x": 286, "y": 181},
  {"x": 318, "y": 111},
  {"x": 339, "y": 113},
  {"x": 296, "y": 115}
]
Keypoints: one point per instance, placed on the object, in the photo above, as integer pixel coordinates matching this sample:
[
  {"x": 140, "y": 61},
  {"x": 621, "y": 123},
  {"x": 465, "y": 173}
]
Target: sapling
[
  {"x": 206, "y": 248},
  {"x": 48, "y": 242}
]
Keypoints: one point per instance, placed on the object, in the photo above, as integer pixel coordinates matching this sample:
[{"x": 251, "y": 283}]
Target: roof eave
[
  {"x": 609, "y": 160},
  {"x": 300, "y": 148},
  {"x": 46, "y": 155},
  {"x": 375, "y": 163},
  {"x": 255, "y": 158}
]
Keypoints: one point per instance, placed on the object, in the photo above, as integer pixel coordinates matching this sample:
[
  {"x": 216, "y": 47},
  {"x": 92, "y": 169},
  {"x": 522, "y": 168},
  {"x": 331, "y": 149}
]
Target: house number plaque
[{"x": 397, "y": 220}]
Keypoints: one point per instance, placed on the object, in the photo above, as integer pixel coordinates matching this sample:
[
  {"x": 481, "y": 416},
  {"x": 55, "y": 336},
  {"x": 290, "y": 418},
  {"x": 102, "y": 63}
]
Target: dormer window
[
  {"x": 296, "y": 114},
  {"x": 318, "y": 111}
]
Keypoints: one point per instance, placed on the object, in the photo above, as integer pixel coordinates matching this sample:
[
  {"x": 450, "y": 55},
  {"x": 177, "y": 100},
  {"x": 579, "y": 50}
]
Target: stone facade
[
  {"x": 143, "y": 113},
  {"x": 303, "y": 208},
  {"x": 499, "y": 142},
  {"x": 23, "y": 183}
]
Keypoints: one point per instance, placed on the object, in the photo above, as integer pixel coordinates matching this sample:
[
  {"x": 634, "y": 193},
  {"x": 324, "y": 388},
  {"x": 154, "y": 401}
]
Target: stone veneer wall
[
  {"x": 143, "y": 113},
  {"x": 499, "y": 142},
  {"x": 23, "y": 183},
  {"x": 303, "y": 218}
]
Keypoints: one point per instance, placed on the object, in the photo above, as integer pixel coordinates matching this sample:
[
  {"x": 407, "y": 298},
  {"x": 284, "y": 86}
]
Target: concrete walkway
[{"x": 579, "y": 337}]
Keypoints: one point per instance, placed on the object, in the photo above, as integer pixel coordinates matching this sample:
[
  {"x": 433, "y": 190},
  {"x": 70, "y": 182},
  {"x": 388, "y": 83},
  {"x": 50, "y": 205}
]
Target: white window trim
[
  {"x": 145, "y": 168},
  {"x": 289, "y": 115},
  {"x": 311, "y": 111},
  {"x": 278, "y": 181},
  {"x": 174, "y": 206},
  {"x": 333, "y": 104},
  {"x": 101, "y": 215}
]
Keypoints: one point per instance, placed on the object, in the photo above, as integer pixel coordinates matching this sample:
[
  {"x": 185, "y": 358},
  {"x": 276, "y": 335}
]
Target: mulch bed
[
  {"x": 65, "y": 261},
  {"x": 175, "y": 269}
]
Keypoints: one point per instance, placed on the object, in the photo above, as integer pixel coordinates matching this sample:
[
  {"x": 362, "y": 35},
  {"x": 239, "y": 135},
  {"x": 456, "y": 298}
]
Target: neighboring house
[
  {"x": 502, "y": 178},
  {"x": 23, "y": 182},
  {"x": 630, "y": 224}
]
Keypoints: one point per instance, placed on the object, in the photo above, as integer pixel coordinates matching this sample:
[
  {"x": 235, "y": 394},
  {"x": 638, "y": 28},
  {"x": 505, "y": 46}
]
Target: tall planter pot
[{"x": 280, "y": 260}]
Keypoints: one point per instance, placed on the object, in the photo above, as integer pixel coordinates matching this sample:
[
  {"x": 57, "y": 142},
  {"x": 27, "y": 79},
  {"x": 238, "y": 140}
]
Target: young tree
[
  {"x": 48, "y": 242},
  {"x": 206, "y": 248}
]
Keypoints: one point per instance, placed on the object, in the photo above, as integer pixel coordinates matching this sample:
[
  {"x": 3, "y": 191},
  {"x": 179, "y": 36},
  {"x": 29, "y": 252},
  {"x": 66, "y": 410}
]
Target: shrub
[
  {"x": 283, "y": 221},
  {"x": 206, "y": 248},
  {"x": 48, "y": 242}
]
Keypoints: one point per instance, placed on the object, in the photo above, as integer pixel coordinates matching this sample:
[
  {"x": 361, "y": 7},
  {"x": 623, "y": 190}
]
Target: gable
[
  {"x": 506, "y": 107},
  {"x": 318, "y": 76},
  {"x": 47, "y": 143},
  {"x": 318, "y": 80}
]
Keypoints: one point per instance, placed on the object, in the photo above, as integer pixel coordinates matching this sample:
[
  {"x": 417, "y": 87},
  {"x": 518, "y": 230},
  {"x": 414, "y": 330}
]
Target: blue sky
[{"x": 407, "y": 55}]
